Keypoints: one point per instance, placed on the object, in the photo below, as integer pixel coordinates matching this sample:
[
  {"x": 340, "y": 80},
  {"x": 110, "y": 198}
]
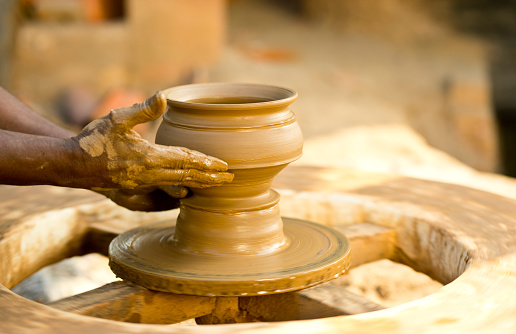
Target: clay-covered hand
[{"x": 116, "y": 157}]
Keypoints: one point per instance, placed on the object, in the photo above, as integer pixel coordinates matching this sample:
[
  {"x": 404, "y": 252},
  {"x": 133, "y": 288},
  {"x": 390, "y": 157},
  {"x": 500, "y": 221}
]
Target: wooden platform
[{"x": 462, "y": 237}]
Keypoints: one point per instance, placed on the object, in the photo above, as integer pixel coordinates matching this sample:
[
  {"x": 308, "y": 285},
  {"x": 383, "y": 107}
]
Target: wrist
[
  {"x": 69, "y": 165},
  {"x": 82, "y": 170}
]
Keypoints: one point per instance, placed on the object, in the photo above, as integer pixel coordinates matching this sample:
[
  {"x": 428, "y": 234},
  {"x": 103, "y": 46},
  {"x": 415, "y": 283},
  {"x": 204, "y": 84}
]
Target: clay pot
[
  {"x": 230, "y": 240},
  {"x": 251, "y": 127}
]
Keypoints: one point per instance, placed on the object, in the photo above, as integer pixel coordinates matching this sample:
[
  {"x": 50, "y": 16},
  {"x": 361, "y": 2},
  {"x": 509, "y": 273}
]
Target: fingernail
[
  {"x": 218, "y": 164},
  {"x": 157, "y": 100},
  {"x": 160, "y": 95}
]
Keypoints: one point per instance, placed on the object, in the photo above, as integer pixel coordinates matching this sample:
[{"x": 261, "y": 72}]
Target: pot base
[{"x": 148, "y": 256}]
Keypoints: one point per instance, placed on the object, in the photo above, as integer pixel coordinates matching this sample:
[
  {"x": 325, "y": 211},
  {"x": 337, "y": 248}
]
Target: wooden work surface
[{"x": 459, "y": 236}]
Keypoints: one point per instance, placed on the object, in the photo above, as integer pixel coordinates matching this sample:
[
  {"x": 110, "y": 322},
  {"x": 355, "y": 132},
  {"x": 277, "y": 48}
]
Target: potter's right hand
[{"x": 116, "y": 157}]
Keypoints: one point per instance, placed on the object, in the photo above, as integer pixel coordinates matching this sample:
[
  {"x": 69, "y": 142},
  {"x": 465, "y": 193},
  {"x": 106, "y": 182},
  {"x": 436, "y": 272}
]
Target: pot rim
[{"x": 179, "y": 96}]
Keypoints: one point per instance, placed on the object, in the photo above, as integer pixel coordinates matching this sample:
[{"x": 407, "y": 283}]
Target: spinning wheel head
[
  {"x": 311, "y": 255},
  {"x": 230, "y": 240}
]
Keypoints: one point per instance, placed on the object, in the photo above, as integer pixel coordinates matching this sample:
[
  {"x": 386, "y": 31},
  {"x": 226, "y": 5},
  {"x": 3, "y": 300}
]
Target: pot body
[
  {"x": 251, "y": 128},
  {"x": 245, "y": 135}
]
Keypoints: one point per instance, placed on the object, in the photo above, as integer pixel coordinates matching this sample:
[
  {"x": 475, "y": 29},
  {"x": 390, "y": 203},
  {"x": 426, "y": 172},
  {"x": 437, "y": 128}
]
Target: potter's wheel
[
  {"x": 230, "y": 240},
  {"x": 311, "y": 255}
]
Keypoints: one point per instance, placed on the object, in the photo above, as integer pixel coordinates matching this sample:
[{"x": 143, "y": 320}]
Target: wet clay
[
  {"x": 229, "y": 100},
  {"x": 231, "y": 240},
  {"x": 131, "y": 162}
]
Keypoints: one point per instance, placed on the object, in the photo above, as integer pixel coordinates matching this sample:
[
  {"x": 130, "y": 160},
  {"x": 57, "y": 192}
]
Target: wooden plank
[
  {"x": 369, "y": 242},
  {"x": 97, "y": 241},
  {"x": 127, "y": 302},
  {"x": 323, "y": 301},
  {"x": 276, "y": 307},
  {"x": 330, "y": 300}
]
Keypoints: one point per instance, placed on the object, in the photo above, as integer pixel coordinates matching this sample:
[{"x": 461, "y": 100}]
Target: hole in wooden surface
[
  {"x": 384, "y": 282},
  {"x": 66, "y": 278},
  {"x": 388, "y": 283}
]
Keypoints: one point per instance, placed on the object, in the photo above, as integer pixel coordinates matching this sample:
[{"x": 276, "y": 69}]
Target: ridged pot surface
[{"x": 246, "y": 125}]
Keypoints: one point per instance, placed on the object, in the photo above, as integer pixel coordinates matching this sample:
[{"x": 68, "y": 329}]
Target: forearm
[
  {"x": 34, "y": 160},
  {"x": 17, "y": 117}
]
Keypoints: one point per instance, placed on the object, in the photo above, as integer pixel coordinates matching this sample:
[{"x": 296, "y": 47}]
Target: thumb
[
  {"x": 175, "y": 191},
  {"x": 143, "y": 112}
]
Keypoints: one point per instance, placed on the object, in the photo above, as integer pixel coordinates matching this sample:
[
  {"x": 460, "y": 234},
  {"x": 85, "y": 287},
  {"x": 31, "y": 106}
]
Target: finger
[
  {"x": 185, "y": 177},
  {"x": 208, "y": 178},
  {"x": 183, "y": 158},
  {"x": 198, "y": 185},
  {"x": 175, "y": 191},
  {"x": 143, "y": 112},
  {"x": 156, "y": 200}
]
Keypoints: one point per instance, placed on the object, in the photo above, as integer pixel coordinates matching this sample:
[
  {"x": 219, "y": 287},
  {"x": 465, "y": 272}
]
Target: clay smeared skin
[
  {"x": 108, "y": 156},
  {"x": 132, "y": 162}
]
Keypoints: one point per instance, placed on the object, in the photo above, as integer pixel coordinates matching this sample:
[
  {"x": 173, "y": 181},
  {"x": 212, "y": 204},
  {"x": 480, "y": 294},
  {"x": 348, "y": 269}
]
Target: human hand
[
  {"x": 116, "y": 157},
  {"x": 147, "y": 199}
]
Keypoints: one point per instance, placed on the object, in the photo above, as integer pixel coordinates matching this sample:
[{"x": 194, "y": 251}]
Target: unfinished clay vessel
[
  {"x": 253, "y": 130},
  {"x": 231, "y": 240}
]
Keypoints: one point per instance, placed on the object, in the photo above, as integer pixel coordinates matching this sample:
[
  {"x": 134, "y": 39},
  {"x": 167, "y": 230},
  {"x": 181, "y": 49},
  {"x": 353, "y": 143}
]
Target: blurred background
[{"x": 395, "y": 78}]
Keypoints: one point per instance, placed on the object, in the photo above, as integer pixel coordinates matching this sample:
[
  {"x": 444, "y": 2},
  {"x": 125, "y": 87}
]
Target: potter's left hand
[
  {"x": 135, "y": 173},
  {"x": 147, "y": 199},
  {"x": 108, "y": 156}
]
